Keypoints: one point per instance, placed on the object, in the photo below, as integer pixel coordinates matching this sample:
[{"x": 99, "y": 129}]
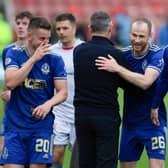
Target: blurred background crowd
[{"x": 121, "y": 11}]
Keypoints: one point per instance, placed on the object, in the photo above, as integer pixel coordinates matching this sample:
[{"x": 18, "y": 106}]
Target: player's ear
[
  {"x": 74, "y": 29},
  {"x": 110, "y": 28},
  {"x": 89, "y": 27}
]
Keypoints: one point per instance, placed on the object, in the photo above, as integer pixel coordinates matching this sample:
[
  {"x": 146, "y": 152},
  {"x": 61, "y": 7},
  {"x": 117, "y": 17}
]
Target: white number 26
[{"x": 158, "y": 142}]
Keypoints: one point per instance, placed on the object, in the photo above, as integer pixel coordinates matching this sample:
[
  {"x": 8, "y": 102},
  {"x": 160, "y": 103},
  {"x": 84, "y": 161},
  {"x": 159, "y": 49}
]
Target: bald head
[{"x": 142, "y": 23}]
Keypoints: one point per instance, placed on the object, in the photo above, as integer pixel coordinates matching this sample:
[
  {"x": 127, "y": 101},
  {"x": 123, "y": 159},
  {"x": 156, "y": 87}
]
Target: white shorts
[{"x": 64, "y": 133}]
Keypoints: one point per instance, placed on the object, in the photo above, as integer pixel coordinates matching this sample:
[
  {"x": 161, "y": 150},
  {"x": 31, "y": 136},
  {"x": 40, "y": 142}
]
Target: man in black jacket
[{"x": 97, "y": 118}]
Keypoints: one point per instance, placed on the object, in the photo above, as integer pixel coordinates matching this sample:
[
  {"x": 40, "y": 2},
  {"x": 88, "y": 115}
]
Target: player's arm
[
  {"x": 161, "y": 90},
  {"x": 15, "y": 76},
  {"x": 5, "y": 95},
  {"x": 144, "y": 81},
  {"x": 61, "y": 94}
]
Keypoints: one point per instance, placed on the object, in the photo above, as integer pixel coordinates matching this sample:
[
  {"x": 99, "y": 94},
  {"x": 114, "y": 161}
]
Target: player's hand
[
  {"x": 41, "y": 111},
  {"x": 5, "y": 95},
  {"x": 154, "y": 116},
  {"x": 41, "y": 51},
  {"x": 109, "y": 64}
]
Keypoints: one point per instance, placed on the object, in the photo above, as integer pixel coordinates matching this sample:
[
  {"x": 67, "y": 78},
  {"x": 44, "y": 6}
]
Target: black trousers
[{"x": 97, "y": 132}]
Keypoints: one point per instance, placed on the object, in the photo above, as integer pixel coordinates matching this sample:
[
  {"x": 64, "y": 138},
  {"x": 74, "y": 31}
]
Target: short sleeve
[
  {"x": 59, "y": 69},
  {"x": 10, "y": 59}
]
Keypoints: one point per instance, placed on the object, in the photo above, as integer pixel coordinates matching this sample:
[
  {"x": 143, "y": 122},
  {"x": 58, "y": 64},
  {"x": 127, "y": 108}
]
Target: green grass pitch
[{"x": 143, "y": 163}]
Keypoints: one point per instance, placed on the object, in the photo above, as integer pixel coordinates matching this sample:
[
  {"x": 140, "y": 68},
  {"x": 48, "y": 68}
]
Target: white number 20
[{"x": 42, "y": 145}]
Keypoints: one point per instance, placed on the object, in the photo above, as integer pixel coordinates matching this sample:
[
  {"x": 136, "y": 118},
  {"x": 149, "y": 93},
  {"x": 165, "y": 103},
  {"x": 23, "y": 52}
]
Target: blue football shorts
[
  {"x": 133, "y": 141},
  {"x": 27, "y": 148}
]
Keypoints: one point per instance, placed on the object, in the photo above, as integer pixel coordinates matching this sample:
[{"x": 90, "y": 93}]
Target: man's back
[{"x": 94, "y": 87}]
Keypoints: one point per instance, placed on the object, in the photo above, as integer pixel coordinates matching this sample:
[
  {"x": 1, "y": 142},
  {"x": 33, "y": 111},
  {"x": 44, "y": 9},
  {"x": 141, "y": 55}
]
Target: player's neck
[
  {"x": 21, "y": 42},
  {"x": 30, "y": 50},
  {"x": 102, "y": 34},
  {"x": 68, "y": 45}
]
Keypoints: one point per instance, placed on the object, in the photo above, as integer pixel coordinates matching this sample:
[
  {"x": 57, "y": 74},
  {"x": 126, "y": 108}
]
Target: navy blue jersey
[
  {"x": 93, "y": 87},
  {"x": 162, "y": 86},
  {"x": 37, "y": 88},
  {"x": 137, "y": 105}
]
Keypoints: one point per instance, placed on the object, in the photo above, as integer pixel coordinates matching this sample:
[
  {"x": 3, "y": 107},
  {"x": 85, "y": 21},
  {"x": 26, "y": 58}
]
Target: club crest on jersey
[
  {"x": 160, "y": 63},
  {"x": 144, "y": 64},
  {"x": 45, "y": 68}
]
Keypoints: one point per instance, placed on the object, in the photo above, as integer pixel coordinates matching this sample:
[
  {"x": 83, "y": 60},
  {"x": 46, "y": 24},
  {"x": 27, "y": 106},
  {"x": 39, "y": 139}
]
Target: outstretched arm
[{"x": 144, "y": 81}]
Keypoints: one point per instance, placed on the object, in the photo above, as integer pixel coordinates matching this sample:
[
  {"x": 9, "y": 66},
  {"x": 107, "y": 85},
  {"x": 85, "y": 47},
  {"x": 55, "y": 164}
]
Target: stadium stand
[{"x": 153, "y": 9}]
